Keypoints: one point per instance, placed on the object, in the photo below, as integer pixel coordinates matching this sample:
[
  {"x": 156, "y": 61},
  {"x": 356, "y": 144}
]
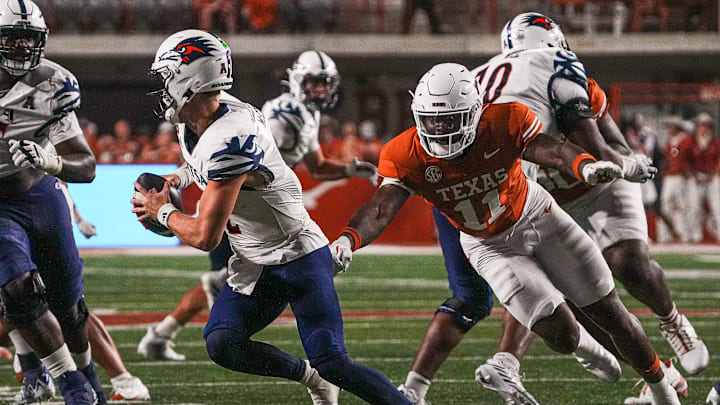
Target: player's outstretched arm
[
  {"x": 204, "y": 231},
  {"x": 71, "y": 161},
  {"x": 367, "y": 223},
  {"x": 584, "y": 132},
  {"x": 323, "y": 169},
  {"x": 613, "y": 136},
  {"x": 565, "y": 156}
]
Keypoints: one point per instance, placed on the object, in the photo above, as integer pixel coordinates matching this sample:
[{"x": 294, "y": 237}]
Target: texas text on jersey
[{"x": 483, "y": 191}]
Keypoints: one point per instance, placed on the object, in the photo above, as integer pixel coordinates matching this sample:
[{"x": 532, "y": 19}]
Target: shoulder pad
[
  {"x": 287, "y": 110},
  {"x": 567, "y": 65}
]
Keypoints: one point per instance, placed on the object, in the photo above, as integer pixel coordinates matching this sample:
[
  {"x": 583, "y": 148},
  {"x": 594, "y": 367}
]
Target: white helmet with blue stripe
[
  {"x": 531, "y": 31},
  {"x": 314, "y": 67},
  {"x": 23, "y": 34}
]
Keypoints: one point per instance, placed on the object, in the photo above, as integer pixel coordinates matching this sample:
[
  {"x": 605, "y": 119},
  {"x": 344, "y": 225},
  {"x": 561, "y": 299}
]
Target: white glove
[
  {"x": 638, "y": 168},
  {"x": 27, "y": 153},
  {"x": 358, "y": 168},
  {"x": 601, "y": 171},
  {"x": 341, "y": 251},
  {"x": 86, "y": 228}
]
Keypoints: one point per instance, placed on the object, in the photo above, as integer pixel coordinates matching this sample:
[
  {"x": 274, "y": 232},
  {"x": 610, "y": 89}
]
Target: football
[{"x": 148, "y": 181}]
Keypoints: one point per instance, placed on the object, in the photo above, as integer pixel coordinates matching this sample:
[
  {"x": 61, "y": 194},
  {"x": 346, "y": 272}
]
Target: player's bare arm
[
  {"x": 370, "y": 220},
  {"x": 323, "y": 169},
  {"x": 565, "y": 156},
  {"x": 204, "y": 231},
  {"x": 78, "y": 161},
  {"x": 613, "y": 136},
  {"x": 584, "y": 132}
]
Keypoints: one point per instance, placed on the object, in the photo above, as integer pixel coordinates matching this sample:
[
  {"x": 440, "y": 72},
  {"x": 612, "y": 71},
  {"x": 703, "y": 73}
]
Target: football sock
[
  {"x": 235, "y": 352},
  {"x": 59, "y": 362},
  {"x": 120, "y": 377},
  {"x": 652, "y": 374},
  {"x": 671, "y": 318},
  {"x": 28, "y": 359},
  {"x": 83, "y": 359},
  {"x": 417, "y": 383},
  {"x": 366, "y": 383},
  {"x": 508, "y": 359},
  {"x": 169, "y": 327}
]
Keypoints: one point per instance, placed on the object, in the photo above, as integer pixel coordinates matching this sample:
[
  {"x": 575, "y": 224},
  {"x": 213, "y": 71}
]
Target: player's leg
[
  {"x": 105, "y": 353},
  {"x": 158, "y": 342},
  {"x": 472, "y": 301},
  {"x": 235, "y": 317},
  {"x": 319, "y": 320},
  {"x": 614, "y": 218},
  {"x": 61, "y": 268},
  {"x": 41, "y": 210}
]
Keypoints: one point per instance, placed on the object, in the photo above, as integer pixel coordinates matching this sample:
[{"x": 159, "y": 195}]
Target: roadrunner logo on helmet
[
  {"x": 187, "y": 63},
  {"x": 531, "y": 31},
  {"x": 23, "y": 34},
  {"x": 446, "y": 107},
  {"x": 310, "y": 69}
]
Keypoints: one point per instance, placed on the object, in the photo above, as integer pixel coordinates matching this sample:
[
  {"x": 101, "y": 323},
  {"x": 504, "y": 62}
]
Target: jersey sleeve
[
  {"x": 286, "y": 119},
  {"x": 522, "y": 125},
  {"x": 386, "y": 164},
  {"x": 598, "y": 99},
  {"x": 568, "y": 81},
  {"x": 66, "y": 98},
  {"x": 236, "y": 156},
  {"x": 65, "y": 128}
]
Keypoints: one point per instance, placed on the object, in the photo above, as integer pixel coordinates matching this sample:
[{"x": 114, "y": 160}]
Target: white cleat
[
  {"x": 129, "y": 389},
  {"x": 713, "y": 397},
  {"x": 600, "y": 363},
  {"x": 673, "y": 377},
  {"x": 321, "y": 391},
  {"x": 412, "y": 396},
  {"x": 212, "y": 282},
  {"x": 495, "y": 376},
  {"x": 156, "y": 347},
  {"x": 689, "y": 348}
]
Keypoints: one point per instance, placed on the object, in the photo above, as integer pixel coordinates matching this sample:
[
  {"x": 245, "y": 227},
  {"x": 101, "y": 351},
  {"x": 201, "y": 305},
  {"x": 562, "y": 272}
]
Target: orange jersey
[
  {"x": 565, "y": 188},
  {"x": 483, "y": 191}
]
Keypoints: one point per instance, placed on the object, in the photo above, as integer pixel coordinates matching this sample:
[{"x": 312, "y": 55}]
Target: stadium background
[{"x": 659, "y": 58}]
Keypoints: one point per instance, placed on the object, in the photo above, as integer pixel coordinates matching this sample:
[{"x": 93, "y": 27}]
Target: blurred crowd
[
  {"x": 685, "y": 196},
  {"x": 341, "y": 141},
  {"x": 373, "y": 16}
]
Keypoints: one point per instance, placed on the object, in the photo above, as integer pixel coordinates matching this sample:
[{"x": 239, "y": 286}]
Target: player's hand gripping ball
[{"x": 152, "y": 181}]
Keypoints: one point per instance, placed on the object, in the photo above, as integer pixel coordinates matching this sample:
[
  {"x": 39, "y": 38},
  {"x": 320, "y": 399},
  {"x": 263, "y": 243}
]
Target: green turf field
[{"x": 409, "y": 283}]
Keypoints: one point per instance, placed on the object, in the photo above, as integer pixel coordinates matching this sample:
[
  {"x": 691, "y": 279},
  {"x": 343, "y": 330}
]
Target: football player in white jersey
[
  {"x": 294, "y": 120},
  {"x": 40, "y": 269},
  {"x": 280, "y": 256}
]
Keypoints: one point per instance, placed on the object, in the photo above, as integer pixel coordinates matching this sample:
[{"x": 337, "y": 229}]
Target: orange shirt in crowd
[{"x": 678, "y": 154}]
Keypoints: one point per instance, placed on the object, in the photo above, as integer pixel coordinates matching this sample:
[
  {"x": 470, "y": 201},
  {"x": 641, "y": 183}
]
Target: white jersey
[
  {"x": 269, "y": 224},
  {"x": 41, "y": 108},
  {"x": 541, "y": 79},
  {"x": 294, "y": 126}
]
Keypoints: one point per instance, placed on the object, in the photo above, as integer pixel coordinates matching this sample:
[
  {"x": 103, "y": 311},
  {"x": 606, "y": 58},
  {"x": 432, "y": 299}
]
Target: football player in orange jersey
[{"x": 464, "y": 159}]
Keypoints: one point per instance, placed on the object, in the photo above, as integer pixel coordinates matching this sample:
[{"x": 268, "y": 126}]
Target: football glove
[
  {"x": 638, "y": 168},
  {"x": 601, "y": 171},
  {"x": 86, "y": 228},
  {"x": 27, "y": 153},
  {"x": 341, "y": 251},
  {"x": 358, "y": 168}
]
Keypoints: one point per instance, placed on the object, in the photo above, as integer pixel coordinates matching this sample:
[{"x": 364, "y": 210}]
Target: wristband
[
  {"x": 576, "y": 164},
  {"x": 357, "y": 240},
  {"x": 164, "y": 213}
]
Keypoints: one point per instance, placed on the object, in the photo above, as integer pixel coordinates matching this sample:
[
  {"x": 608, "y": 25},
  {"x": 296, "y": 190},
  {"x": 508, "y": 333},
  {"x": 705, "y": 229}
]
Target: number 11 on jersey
[{"x": 465, "y": 207}]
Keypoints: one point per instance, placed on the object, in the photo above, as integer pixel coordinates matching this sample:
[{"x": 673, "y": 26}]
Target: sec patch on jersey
[{"x": 148, "y": 181}]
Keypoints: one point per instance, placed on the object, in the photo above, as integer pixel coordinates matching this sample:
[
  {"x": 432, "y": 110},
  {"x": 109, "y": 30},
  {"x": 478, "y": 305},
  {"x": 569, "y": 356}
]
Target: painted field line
[{"x": 144, "y": 318}]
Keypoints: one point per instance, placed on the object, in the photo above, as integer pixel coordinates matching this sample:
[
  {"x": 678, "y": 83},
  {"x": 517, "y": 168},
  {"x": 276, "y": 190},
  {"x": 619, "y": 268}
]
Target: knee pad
[
  {"x": 218, "y": 343},
  {"x": 22, "y": 299},
  {"x": 73, "y": 320},
  {"x": 466, "y": 314}
]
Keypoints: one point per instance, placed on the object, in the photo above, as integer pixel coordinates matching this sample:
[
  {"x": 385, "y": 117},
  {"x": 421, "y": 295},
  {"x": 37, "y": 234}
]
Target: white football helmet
[
  {"x": 531, "y": 31},
  {"x": 23, "y": 34},
  {"x": 446, "y": 107},
  {"x": 313, "y": 67},
  {"x": 189, "y": 62}
]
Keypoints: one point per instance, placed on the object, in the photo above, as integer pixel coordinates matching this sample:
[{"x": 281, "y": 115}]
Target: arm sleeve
[{"x": 598, "y": 99}]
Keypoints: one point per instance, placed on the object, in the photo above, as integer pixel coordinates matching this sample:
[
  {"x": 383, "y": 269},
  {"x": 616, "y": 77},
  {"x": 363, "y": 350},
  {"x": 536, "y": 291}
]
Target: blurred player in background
[
  {"x": 462, "y": 157},
  {"x": 40, "y": 269},
  {"x": 280, "y": 254},
  {"x": 294, "y": 120}
]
